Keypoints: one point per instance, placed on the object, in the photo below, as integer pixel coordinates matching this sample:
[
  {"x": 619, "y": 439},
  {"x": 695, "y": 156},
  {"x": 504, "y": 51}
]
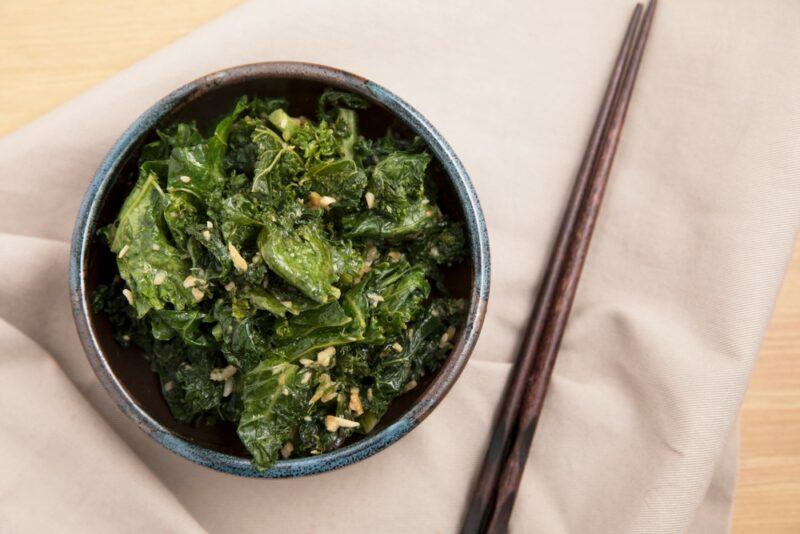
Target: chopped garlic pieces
[
  {"x": 316, "y": 396},
  {"x": 315, "y": 200},
  {"x": 325, "y": 391},
  {"x": 197, "y": 294},
  {"x": 375, "y": 298},
  {"x": 324, "y": 356},
  {"x": 334, "y": 423},
  {"x": 128, "y": 295},
  {"x": 355, "y": 402},
  {"x": 220, "y": 375},
  {"x": 122, "y": 252},
  {"x": 329, "y": 396},
  {"x": 238, "y": 261},
  {"x": 227, "y": 389},
  {"x": 447, "y": 336}
]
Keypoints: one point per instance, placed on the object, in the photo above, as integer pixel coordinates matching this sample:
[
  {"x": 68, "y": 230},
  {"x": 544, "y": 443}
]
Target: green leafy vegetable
[
  {"x": 340, "y": 179},
  {"x": 187, "y": 325},
  {"x": 273, "y": 396},
  {"x": 276, "y": 167},
  {"x": 198, "y": 169},
  {"x": 416, "y": 219},
  {"x": 147, "y": 260},
  {"x": 300, "y": 256},
  {"x": 284, "y": 273},
  {"x": 397, "y": 181}
]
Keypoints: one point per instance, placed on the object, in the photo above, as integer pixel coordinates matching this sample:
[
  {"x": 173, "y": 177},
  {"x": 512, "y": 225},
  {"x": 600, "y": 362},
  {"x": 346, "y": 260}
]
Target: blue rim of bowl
[{"x": 104, "y": 180}]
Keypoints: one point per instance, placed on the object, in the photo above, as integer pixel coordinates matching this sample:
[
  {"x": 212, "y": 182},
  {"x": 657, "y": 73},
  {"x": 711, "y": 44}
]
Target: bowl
[{"x": 124, "y": 372}]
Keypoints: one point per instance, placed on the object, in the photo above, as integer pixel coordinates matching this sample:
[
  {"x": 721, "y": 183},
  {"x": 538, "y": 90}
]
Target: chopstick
[
  {"x": 495, "y": 489},
  {"x": 485, "y": 486}
]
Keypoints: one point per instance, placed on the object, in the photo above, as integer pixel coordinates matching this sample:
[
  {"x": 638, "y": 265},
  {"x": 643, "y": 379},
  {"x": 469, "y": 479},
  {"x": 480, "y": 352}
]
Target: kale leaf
[
  {"x": 301, "y": 256},
  {"x": 152, "y": 266},
  {"x": 416, "y": 219},
  {"x": 340, "y": 179},
  {"x": 397, "y": 181},
  {"x": 273, "y": 396},
  {"x": 199, "y": 169},
  {"x": 284, "y": 273},
  {"x": 276, "y": 168}
]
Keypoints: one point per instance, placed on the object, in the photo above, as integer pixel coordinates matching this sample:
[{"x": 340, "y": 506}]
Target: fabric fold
[
  {"x": 638, "y": 433},
  {"x": 63, "y": 467}
]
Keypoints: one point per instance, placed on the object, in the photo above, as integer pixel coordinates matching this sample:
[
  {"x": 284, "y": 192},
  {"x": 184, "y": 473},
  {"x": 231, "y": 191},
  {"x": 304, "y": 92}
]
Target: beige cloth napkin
[{"x": 639, "y": 429}]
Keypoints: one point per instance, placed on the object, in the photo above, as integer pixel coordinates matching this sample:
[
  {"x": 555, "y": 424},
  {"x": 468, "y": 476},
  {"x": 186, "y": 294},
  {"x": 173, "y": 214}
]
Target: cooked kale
[{"x": 284, "y": 273}]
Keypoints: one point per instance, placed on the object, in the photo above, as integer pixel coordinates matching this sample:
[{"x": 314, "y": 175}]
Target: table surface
[{"x": 50, "y": 54}]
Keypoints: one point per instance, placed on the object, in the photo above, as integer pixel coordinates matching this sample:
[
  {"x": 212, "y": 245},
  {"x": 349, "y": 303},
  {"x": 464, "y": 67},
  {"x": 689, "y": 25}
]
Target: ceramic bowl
[{"x": 124, "y": 372}]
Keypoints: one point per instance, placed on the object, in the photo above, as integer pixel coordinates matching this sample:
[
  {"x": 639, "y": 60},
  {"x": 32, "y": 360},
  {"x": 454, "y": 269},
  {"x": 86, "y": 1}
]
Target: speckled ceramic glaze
[{"x": 122, "y": 371}]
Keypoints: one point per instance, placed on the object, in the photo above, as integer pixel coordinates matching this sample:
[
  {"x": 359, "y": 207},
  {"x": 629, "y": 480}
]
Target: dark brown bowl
[{"x": 126, "y": 374}]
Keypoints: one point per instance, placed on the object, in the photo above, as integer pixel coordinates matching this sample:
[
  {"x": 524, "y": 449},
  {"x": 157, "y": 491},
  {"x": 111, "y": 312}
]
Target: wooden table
[{"x": 55, "y": 49}]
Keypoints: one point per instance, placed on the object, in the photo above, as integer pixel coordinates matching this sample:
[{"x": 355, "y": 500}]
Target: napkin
[{"x": 639, "y": 430}]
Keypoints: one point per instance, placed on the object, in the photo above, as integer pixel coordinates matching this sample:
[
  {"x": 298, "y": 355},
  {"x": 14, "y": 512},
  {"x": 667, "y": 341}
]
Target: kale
[
  {"x": 148, "y": 260},
  {"x": 198, "y": 169},
  {"x": 340, "y": 179},
  {"x": 421, "y": 350},
  {"x": 276, "y": 168},
  {"x": 339, "y": 109},
  {"x": 300, "y": 255},
  {"x": 442, "y": 244},
  {"x": 273, "y": 397},
  {"x": 166, "y": 324},
  {"x": 284, "y": 273},
  {"x": 398, "y": 291},
  {"x": 333, "y": 102},
  {"x": 416, "y": 219},
  {"x": 397, "y": 181}
]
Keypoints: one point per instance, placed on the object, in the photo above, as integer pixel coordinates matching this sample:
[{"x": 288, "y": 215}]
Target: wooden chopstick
[
  {"x": 484, "y": 491},
  {"x": 495, "y": 489},
  {"x": 547, "y": 352}
]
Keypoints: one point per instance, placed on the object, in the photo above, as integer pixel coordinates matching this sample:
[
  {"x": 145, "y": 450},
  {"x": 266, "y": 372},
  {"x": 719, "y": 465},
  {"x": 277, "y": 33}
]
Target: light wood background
[{"x": 54, "y": 49}]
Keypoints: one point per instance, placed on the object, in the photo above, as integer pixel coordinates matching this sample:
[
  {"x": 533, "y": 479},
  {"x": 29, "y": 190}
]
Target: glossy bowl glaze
[{"x": 124, "y": 372}]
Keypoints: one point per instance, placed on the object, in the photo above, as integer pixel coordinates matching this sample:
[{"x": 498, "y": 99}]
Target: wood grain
[
  {"x": 768, "y": 489},
  {"x": 55, "y": 49}
]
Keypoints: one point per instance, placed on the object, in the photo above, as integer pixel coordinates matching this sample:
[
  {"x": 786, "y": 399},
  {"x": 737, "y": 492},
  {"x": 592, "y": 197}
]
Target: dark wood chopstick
[
  {"x": 547, "y": 352},
  {"x": 484, "y": 491},
  {"x": 496, "y": 486}
]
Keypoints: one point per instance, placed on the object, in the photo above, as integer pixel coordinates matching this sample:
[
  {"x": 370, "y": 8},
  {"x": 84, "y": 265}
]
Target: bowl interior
[{"x": 204, "y": 107}]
